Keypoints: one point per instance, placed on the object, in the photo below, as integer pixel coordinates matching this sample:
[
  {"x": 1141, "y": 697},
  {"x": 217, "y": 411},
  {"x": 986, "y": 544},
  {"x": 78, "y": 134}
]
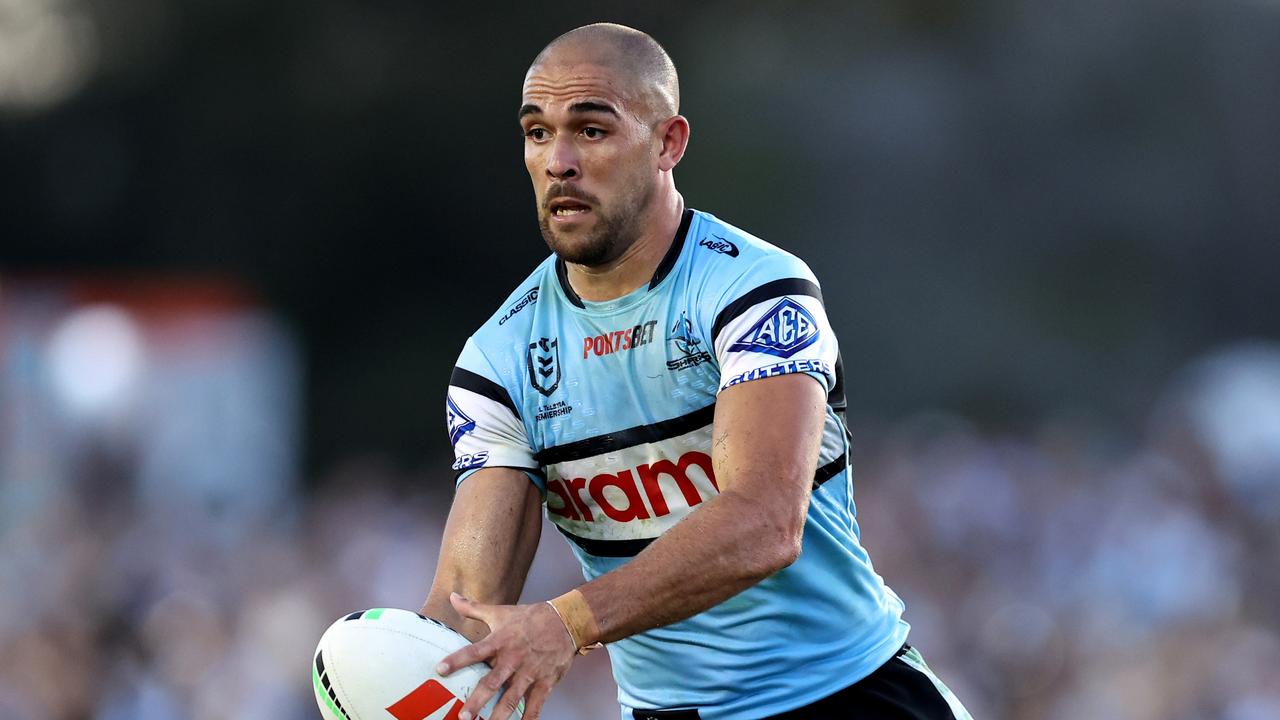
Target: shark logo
[
  {"x": 689, "y": 345},
  {"x": 544, "y": 365}
]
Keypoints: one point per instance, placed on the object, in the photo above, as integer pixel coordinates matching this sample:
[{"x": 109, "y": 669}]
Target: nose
[{"x": 563, "y": 162}]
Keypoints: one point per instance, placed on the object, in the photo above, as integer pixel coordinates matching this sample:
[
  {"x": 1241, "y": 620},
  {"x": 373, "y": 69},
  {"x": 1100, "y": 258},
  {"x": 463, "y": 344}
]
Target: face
[{"x": 592, "y": 161}]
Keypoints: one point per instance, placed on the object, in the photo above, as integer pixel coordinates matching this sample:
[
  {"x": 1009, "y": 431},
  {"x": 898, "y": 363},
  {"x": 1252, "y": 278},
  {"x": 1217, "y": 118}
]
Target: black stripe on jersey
[
  {"x": 608, "y": 548},
  {"x": 482, "y": 385},
  {"x": 836, "y": 398},
  {"x": 673, "y": 252},
  {"x": 767, "y": 291},
  {"x": 623, "y": 439},
  {"x": 830, "y": 470}
]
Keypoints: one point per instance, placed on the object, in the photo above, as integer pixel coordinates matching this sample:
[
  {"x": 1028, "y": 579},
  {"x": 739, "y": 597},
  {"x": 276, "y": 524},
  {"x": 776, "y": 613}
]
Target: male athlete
[{"x": 669, "y": 388}]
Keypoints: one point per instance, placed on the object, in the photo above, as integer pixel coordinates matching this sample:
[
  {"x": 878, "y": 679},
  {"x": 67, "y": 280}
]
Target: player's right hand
[{"x": 528, "y": 648}]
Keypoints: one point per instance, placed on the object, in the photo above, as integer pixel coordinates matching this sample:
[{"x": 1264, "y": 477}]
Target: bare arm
[
  {"x": 765, "y": 450},
  {"x": 765, "y": 447},
  {"x": 488, "y": 546}
]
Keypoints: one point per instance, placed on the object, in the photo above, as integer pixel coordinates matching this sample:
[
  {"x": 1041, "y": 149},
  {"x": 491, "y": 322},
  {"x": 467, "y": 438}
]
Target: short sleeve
[
  {"x": 772, "y": 322},
  {"x": 484, "y": 423}
]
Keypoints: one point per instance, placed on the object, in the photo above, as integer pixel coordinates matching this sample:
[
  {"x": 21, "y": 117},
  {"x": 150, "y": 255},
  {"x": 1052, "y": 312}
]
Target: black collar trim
[
  {"x": 673, "y": 252},
  {"x": 663, "y": 269}
]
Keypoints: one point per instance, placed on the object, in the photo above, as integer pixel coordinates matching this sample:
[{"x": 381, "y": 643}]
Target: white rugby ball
[{"x": 380, "y": 664}]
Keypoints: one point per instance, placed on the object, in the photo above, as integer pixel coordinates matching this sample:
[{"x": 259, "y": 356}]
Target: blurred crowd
[{"x": 1081, "y": 567}]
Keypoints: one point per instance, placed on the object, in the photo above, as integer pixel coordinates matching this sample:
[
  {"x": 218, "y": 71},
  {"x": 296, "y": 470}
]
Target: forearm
[
  {"x": 488, "y": 545},
  {"x": 728, "y": 545}
]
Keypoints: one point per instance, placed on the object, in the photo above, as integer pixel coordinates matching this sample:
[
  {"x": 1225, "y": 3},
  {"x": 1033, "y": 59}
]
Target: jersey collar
[{"x": 663, "y": 269}]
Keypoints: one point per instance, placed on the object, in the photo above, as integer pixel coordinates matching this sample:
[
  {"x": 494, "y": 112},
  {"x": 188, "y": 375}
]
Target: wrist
[{"x": 578, "y": 620}]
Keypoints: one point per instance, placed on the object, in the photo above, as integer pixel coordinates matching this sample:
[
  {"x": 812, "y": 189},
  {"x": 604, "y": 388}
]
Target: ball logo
[
  {"x": 544, "y": 365},
  {"x": 428, "y": 699},
  {"x": 783, "y": 331}
]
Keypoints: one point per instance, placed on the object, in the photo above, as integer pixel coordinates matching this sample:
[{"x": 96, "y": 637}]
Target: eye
[
  {"x": 536, "y": 134},
  {"x": 592, "y": 133}
]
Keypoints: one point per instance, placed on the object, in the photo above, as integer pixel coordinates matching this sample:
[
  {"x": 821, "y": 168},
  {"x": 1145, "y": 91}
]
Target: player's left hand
[{"x": 528, "y": 648}]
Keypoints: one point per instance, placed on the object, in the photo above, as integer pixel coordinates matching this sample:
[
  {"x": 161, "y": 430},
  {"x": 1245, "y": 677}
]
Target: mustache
[{"x": 566, "y": 190}]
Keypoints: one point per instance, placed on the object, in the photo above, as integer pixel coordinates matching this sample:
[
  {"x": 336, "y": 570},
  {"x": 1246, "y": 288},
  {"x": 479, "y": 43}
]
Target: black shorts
[{"x": 902, "y": 689}]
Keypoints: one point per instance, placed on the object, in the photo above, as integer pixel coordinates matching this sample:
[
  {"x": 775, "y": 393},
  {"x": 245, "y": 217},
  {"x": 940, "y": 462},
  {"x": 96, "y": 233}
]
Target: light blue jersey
[{"x": 608, "y": 407}]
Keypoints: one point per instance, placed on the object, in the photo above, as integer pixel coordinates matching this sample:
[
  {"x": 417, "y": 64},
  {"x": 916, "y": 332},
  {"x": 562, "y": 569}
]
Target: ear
[{"x": 673, "y": 136}]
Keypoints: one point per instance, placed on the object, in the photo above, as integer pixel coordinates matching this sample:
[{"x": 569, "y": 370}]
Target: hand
[{"x": 528, "y": 648}]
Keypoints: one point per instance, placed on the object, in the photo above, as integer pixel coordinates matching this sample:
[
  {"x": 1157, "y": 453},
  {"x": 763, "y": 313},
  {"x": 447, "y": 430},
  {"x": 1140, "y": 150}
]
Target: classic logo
[
  {"x": 525, "y": 301},
  {"x": 459, "y": 423},
  {"x": 425, "y": 701},
  {"x": 627, "y": 486},
  {"x": 690, "y": 347},
  {"x": 720, "y": 245},
  {"x": 612, "y": 342},
  {"x": 544, "y": 365},
  {"x": 783, "y": 331}
]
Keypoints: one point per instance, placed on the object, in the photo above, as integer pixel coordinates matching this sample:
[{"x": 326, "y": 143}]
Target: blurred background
[{"x": 241, "y": 244}]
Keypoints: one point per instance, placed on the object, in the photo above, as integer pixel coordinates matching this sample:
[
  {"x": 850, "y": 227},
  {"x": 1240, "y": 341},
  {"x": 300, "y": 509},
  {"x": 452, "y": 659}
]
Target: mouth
[{"x": 564, "y": 209}]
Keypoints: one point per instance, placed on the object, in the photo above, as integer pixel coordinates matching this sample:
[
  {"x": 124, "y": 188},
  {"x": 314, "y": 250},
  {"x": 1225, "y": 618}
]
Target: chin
[{"x": 580, "y": 248}]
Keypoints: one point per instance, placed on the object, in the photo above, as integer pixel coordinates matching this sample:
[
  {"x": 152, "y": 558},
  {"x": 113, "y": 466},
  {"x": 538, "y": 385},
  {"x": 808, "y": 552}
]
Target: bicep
[
  {"x": 489, "y": 540},
  {"x": 766, "y": 437}
]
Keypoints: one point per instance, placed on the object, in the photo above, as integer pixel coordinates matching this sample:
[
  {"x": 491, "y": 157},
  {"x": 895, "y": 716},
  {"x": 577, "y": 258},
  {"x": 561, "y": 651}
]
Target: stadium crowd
[{"x": 1078, "y": 569}]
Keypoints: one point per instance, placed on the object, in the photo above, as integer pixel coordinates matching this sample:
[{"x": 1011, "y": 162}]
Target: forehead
[{"x": 551, "y": 86}]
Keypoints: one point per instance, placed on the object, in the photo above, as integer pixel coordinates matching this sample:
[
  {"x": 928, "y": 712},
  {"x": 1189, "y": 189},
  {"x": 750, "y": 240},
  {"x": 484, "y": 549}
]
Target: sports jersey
[{"x": 608, "y": 407}]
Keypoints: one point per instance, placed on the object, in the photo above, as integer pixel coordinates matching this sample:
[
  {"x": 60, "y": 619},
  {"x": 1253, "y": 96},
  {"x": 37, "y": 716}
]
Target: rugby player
[{"x": 668, "y": 387}]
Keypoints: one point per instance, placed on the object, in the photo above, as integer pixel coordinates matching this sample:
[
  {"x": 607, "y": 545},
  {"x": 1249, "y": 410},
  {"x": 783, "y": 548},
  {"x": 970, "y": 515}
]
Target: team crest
[
  {"x": 689, "y": 345},
  {"x": 459, "y": 423},
  {"x": 544, "y": 365},
  {"x": 783, "y": 331}
]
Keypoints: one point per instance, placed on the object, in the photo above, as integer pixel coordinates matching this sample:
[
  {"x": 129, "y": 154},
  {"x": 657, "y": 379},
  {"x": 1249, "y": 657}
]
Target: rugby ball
[{"x": 380, "y": 665}]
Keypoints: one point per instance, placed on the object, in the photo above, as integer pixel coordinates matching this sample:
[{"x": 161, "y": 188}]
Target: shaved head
[{"x": 638, "y": 62}]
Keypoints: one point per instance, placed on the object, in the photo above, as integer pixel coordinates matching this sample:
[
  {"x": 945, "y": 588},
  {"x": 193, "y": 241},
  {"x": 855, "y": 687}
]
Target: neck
[{"x": 636, "y": 265}]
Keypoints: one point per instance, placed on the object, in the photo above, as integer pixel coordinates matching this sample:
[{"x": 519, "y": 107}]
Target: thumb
[{"x": 468, "y": 609}]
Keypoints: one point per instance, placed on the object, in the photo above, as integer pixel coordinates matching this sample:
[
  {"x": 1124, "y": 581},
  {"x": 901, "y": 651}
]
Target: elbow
[{"x": 781, "y": 547}]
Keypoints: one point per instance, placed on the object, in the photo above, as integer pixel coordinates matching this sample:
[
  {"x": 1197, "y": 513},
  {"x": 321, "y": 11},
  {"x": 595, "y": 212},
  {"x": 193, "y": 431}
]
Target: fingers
[
  {"x": 469, "y": 655},
  {"x": 537, "y": 696},
  {"x": 489, "y": 685},
  {"x": 510, "y": 699}
]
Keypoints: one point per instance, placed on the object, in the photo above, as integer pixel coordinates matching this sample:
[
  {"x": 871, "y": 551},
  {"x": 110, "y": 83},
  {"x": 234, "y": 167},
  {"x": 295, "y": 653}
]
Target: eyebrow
[{"x": 584, "y": 106}]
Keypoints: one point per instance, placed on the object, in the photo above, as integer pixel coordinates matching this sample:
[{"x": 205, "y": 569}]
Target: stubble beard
[{"x": 611, "y": 236}]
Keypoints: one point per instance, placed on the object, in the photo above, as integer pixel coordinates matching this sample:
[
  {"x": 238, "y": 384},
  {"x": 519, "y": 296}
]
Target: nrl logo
[
  {"x": 544, "y": 365},
  {"x": 783, "y": 331}
]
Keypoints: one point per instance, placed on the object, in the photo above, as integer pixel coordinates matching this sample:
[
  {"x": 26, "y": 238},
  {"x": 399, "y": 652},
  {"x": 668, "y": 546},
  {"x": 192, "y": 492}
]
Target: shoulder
[
  {"x": 731, "y": 265},
  {"x": 495, "y": 350}
]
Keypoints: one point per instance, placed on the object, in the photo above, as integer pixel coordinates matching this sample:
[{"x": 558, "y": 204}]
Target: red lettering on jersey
[
  {"x": 568, "y": 511},
  {"x": 678, "y": 471},
  {"x": 568, "y": 489},
  {"x": 428, "y": 698},
  {"x": 576, "y": 484},
  {"x": 635, "y": 509},
  {"x": 619, "y": 340}
]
